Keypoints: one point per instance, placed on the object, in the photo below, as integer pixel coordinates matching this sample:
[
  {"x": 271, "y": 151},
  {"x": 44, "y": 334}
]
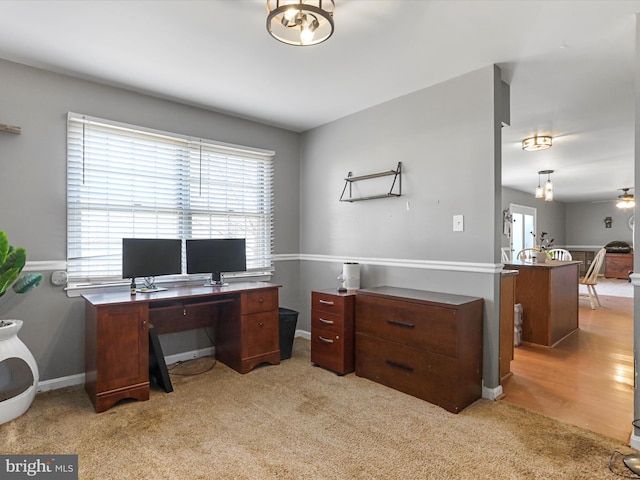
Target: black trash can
[{"x": 288, "y": 321}]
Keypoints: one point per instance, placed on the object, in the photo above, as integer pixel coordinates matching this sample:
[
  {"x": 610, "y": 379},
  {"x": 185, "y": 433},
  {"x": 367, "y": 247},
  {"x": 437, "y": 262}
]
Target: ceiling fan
[{"x": 626, "y": 200}]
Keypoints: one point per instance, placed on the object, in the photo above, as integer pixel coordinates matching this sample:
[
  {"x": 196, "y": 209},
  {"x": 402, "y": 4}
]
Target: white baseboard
[
  {"x": 71, "y": 380},
  {"x": 303, "y": 334},
  {"x": 62, "y": 382},
  {"x": 491, "y": 393},
  {"x": 634, "y": 442}
]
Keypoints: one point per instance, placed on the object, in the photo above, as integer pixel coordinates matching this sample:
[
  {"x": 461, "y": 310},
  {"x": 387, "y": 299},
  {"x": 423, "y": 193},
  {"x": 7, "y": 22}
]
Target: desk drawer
[
  {"x": 327, "y": 302},
  {"x": 259, "y": 301},
  {"x": 328, "y": 351},
  {"x": 182, "y": 316},
  {"x": 431, "y": 377},
  {"x": 260, "y": 334},
  {"x": 431, "y": 328},
  {"x": 327, "y": 321}
]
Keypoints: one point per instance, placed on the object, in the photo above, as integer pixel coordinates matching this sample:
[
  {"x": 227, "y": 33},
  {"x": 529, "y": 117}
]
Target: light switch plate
[{"x": 458, "y": 223}]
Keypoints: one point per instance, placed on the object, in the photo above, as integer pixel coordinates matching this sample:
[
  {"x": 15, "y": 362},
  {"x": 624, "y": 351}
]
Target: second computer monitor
[{"x": 216, "y": 256}]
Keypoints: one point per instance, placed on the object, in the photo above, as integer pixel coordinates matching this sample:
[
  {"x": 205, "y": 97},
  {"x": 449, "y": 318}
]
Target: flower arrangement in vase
[{"x": 543, "y": 247}]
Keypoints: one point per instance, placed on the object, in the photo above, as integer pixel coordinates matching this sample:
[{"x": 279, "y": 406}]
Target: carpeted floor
[{"x": 295, "y": 421}]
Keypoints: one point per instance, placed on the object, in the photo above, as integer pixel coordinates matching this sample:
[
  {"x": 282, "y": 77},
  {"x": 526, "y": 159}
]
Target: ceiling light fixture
[
  {"x": 533, "y": 144},
  {"x": 300, "y": 22},
  {"x": 626, "y": 200},
  {"x": 545, "y": 192}
]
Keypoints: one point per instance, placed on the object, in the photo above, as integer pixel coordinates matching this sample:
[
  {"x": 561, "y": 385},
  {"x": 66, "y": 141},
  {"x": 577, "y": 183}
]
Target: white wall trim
[
  {"x": 45, "y": 265},
  {"x": 407, "y": 263},
  {"x": 53, "y": 265},
  {"x": 491, "y": 393},
  {"x": 635, "y": 279},
  {"x": 634, "y": 442},
  {"x": 303, "y": 334},
  {"x": 71, "y": 380},
  {"x": 62, "y": 382}
]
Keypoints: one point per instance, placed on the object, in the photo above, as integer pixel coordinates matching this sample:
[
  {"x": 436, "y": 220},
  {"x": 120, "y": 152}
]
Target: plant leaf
[
  {"x": 4, "y": 246},
  {"x": 27, "y": 283},
  {"x": 7, "y": 278},
  {"x": 16, "y": 259}
]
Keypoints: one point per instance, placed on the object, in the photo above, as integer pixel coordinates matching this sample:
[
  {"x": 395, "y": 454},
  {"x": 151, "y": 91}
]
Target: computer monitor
[
  {"x": 216, "y": 256},
  {"x": 150, "y": 257}
]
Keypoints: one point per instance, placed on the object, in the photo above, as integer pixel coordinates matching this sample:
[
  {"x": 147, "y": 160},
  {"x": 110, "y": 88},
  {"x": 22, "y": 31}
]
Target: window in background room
[
  {"x": 127, "y": 181},
  {"x": 524, "y": 222}
]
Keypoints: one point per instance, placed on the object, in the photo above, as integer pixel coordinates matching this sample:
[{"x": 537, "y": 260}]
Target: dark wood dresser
[
  {"x": 332, "y": 330},
  {"x": 618, "y": 265},
  {"x": 426, "y": 344}
]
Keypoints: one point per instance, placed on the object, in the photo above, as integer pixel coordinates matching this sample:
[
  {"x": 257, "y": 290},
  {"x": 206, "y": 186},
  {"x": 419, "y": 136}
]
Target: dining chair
[
  {"x": 590, "y": 278},
  {"x": 560, "y": 254},
  {"x": 526, "y": 253}
]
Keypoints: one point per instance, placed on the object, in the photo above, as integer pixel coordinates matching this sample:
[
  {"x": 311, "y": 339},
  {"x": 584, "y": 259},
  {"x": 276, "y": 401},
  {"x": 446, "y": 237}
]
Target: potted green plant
[
  {"x": 12, "y": 261},
  {"x": 19, "y": 374}
]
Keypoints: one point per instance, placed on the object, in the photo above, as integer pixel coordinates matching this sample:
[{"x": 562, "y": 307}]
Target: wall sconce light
[
  {"x": 533, "y": 144},
  {"x": 545, "y": 192},
  {"x": 607, "y": 222}
]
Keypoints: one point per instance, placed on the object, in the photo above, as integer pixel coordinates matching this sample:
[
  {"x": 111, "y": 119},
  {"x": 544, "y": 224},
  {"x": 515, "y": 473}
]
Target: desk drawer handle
[
  {"x": 326, "y": 302},
  {"x": 400, "y": 324},
  {"x": 391, "y": 363},
  {"x": 261, "y": 300},
  {"x": 328, "y": 322},
  {"x": 325, "y": 340}
]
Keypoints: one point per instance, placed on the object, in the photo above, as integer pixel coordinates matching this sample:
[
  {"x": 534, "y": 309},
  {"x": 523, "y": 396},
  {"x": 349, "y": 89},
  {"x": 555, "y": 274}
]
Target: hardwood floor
[{"x": 587, "y": 379}]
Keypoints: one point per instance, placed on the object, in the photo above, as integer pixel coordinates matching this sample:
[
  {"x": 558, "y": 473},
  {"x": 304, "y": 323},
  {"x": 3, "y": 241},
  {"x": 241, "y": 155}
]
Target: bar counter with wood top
[{"x": 548, "y": 293}]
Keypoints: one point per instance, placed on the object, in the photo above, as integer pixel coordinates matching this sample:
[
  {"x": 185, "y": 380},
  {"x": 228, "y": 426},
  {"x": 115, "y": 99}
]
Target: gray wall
[
  {"x": 585, "y": 224},
  {"x": 448, "y": 139},
  {"x": 33, "y": 194}
]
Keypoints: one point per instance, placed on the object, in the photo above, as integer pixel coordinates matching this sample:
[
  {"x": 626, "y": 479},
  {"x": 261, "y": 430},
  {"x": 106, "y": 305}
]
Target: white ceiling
[{"x": 570, "y": 65}]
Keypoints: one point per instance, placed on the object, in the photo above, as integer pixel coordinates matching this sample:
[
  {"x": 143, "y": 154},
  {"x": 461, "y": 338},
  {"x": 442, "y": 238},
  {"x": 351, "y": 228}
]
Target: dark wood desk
[
  {"x": 245, "y": 317},
  {"x": 548, "y": 293}
]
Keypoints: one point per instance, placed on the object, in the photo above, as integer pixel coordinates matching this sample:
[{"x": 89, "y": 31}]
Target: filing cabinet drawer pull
[
  {"x": 391, "y": 363},
  {"x": 326, "y": 340},
  {"x": 400, "y": 324},
  {"x": 328, "y": 322},
  {"x": 326, "y": 302}
]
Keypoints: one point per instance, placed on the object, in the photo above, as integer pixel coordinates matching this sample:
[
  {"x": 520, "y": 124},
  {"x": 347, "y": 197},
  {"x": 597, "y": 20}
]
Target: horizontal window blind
[{"x": 127, "y": 181}]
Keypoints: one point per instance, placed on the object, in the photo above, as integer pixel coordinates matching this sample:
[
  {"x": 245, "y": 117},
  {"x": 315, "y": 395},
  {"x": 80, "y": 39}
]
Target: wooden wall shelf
[
  {"x": 10, "y": 129},
  {"x": 397, "y": 177}
]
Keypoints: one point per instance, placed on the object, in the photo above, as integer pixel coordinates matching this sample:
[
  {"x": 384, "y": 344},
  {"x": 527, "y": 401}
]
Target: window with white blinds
[{"x": 127, "y": 181}]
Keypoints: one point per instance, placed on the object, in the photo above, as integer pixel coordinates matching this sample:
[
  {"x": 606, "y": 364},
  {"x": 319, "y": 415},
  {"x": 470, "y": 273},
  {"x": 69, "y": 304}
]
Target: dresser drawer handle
[
  {"x": 401, "y": 324},
  {"x": 325, "y": 340},
  {"x": 391, "y": 363},
  {"x": 326, "y": 302},
  {"x": 328, "y": 322}
]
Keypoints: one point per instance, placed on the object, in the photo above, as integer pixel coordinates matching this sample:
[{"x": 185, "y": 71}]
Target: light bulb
[
  {"x": 539, "y": 192},
  {"x": 548, "y": 191}
]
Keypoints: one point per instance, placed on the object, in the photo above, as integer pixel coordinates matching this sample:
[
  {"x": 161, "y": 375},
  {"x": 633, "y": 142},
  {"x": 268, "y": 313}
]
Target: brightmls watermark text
[{"x": 50, "y": 467}]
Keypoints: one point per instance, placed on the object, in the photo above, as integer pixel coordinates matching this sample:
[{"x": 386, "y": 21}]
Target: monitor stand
[
  {"x": 216, "y": 280},
  {"x": 150, "y": 286}
]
